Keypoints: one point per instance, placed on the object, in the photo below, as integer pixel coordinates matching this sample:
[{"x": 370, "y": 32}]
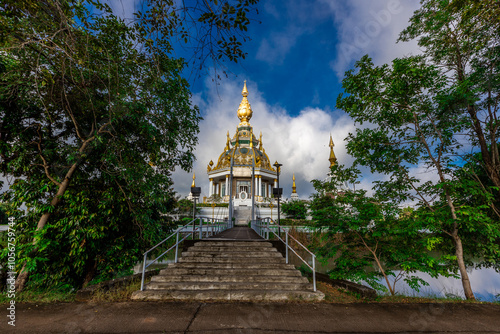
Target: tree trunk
[
  {"x": 63, "y": 186},
  {"x": 461, "y": 266},
  {"x": 91, "y": 269},
  {"x": 23, "y": 276}
]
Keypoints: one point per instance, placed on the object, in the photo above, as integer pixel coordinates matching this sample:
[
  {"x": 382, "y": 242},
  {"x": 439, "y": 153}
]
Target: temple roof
[{"x": 244, "y": 147}]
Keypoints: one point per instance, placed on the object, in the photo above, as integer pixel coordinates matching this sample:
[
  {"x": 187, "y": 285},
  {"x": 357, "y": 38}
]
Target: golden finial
[
  {"x": 227, "y": 142},
  {"x": 332, "y": 159},
  {"x": 260, "y": 141},
  {"x": 245, "y": 110},
  {"x": 294, "y": 188},
  {"x": 192, "y": 184},
  {"x": 244, "y": 92},
  {"x": 251, "y": 138}
]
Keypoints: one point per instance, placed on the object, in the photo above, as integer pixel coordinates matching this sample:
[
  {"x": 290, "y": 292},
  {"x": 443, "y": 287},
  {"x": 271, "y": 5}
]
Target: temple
[
  {"x": 244, "y": 176},
  {"x": 248, "y": 157}
]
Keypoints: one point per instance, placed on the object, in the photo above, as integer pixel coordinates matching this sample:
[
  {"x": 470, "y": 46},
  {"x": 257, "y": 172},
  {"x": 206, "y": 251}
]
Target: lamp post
[
  {"x": 277, "y": 191},
  {"x": 195, "y": 192}
]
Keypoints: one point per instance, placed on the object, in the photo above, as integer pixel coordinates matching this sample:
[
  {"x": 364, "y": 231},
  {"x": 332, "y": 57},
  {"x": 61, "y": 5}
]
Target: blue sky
[
  {"x": 289, "y": 55},
  {"x": 294, "y": 67}
]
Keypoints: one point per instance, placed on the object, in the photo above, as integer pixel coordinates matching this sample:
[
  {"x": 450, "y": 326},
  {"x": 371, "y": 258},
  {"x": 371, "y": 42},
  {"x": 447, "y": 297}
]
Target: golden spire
[
  {"x": 192, "y": 184},
  {"x": 245, "y": 110},
  {"x": 333, "y": 159},
  {"x": 260, "y": 141},
  {"x": 227, "y": 142},
  {"x": 294, "y": 187}
]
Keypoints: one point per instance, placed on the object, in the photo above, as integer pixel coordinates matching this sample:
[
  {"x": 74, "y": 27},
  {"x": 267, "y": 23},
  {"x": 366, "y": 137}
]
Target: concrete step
[
  {"x": 262, "y": 260},
  {"x": 225, "y": 249},
  {"x": 239, "y": 295},
  {"x": 233, "y": 254},
  {"x": 233, "y": 266},
  {"x": 229, "y": 272},
  {"x": 242, "y": 279},
  {"x": 225, "y": 269},
  {"x": 227, "y": 286},
  {"x": 225, "y": 243}
]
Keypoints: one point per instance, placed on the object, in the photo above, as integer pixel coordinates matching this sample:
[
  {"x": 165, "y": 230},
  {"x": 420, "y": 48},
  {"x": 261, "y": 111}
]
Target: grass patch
[
  {"x": 119, "y": 294},
  {"x": 59, "y": 295},
  {"x": 337, "y": 295},
  {"x": 40, "y": 296}
]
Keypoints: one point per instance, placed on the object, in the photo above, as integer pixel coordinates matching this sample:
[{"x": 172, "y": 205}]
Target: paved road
[{"x": 212, "y": 318}]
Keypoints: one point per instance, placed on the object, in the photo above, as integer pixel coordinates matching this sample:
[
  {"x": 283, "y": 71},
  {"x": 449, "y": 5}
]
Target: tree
[
  {"x": 463, "y": 39},
  {"x": 365, "y": 232},
  {"x": 294, "y": 209},
  {"x": 185, "y": 207},
  {"x": 431, "y": 104},
  {"x": 95, "y": 117},
  {"x": 413, "y": 128}
]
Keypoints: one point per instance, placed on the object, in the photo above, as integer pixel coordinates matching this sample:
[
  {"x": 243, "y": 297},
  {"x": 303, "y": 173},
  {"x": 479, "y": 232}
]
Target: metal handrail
[
  {"x": 263, "y": 230},
  {"x": 217, "y": 223}
]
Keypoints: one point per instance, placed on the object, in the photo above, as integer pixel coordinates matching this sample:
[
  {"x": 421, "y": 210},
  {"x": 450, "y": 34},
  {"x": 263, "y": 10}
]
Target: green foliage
[
  {"x": 462, "y": 38},
  {"x": 213, "y": 30},
  {"x": 95, "y": 117},
  {"x": 294, "y": 222},
  {"x": 421, "y": 113},
  {"x": 3, "y": 214},
  {"x": 369, "y": 238},
  {"x": 294, "y": 209},
  {"x": 184, "y": 206}
]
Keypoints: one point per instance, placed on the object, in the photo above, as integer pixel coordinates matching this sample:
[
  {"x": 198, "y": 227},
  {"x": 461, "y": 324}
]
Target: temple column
[
  {"x": 211, "y": 188},
  {"x": 260, "y": 186},
  {"x": 227, "y": 185},
  {"x": 256, "y": 185}
]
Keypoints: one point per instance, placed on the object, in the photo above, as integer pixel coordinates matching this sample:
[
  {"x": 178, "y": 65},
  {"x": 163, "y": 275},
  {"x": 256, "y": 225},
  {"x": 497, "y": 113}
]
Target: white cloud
[
  {"x": 274, "y": 49},
  {"x": 300, "y": 143},
  {"x": 370, "y": 27}
]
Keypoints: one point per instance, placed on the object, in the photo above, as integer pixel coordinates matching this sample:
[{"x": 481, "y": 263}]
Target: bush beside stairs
[{"x": 251, "y": 270}]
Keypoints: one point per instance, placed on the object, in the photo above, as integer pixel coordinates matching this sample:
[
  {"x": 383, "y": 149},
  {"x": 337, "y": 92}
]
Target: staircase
[
  {"x": 250, "y": 270},
  {"x": 242, "y": 215}
]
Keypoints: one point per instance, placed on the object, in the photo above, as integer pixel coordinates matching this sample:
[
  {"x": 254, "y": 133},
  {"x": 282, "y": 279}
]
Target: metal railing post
[
  {"x": 177, "y": 247},
  {"x": 267, "y": 229},
  {"x": 143, "y": 270},
  {"x": 314, "y": 272},
  {"x": 201, "y": 228},
  {"x": 286, "y": 237}
]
